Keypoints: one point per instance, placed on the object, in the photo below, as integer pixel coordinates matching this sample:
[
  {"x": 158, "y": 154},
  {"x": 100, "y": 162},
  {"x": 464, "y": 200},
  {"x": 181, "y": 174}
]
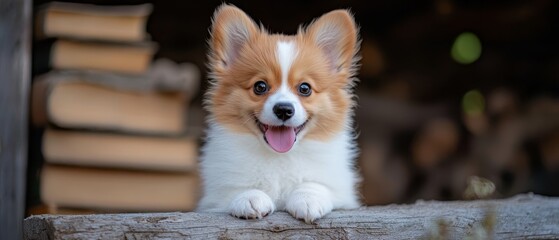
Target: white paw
[
  {"x": 308, "y": 206},
  {"x": 251, "y": 204}
]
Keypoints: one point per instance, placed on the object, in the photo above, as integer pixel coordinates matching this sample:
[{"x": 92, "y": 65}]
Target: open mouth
[{"x": 280, "y": 138}]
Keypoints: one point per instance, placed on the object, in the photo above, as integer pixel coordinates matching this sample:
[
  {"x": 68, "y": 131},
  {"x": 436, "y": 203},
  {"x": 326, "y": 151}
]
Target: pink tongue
[{"x": 281, "y": 139}]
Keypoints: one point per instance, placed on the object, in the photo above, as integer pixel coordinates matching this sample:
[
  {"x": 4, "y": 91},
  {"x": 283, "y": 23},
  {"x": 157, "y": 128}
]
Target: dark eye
[
  {"x": 260, "y": 88},
  {"x": 305, "y": 89}
]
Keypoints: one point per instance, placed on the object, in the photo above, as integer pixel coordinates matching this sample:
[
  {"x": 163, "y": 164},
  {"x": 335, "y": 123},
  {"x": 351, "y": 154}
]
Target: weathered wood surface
[
  {"x": 15, "y": 25},
  {"x": 521, "y": 217}
]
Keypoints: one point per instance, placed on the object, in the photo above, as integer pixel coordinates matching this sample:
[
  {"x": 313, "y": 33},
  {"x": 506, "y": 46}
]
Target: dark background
[{"x": 416, "y": 139}]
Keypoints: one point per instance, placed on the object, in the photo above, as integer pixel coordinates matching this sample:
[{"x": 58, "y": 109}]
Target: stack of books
[{"x": 114, "y": 130}]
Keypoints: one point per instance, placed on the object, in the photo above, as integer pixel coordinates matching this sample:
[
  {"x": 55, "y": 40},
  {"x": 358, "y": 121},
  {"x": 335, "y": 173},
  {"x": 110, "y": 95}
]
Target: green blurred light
[
  {"x": 466, "y": 48},
  {"x": 473, "y": 102}
]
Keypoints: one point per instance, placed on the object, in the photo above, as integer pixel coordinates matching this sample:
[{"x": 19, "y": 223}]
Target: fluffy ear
[
  {"x": 336, "y": 34},
  {"x": 231, "y": 30}
]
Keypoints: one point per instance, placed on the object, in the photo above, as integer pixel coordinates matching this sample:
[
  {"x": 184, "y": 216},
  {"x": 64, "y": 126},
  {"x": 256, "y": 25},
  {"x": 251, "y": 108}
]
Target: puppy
[{"x": 280, "y": 134}]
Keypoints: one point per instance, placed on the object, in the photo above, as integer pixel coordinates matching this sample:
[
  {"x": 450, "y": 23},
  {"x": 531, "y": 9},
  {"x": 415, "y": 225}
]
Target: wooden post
[
  {"x": 15, "y": 36},
  {"x": 521, "y": 217}
]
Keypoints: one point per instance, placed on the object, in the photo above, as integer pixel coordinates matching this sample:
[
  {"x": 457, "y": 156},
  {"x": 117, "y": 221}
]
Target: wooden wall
[{"x": 15, "y": 16}]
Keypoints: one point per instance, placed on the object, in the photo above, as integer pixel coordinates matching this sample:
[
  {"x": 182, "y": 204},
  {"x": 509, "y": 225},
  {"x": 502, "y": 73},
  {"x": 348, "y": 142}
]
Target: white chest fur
[{"x": 232, "y": 163}]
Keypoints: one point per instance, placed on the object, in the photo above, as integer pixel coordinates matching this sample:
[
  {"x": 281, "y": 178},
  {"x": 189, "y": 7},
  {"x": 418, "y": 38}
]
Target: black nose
[{"x": 284, "y": 111}]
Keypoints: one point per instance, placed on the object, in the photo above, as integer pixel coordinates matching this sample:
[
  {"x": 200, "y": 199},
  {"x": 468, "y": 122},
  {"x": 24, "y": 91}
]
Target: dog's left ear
[
  {"x": 336, "y": 34},
  {"x": 231, "y": 30}
]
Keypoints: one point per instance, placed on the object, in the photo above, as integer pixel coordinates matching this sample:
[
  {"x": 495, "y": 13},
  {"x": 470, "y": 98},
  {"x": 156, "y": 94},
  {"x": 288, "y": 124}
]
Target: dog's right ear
[
  {"x": 335, "y": 33},
  {"x": 231, "y": 30}
]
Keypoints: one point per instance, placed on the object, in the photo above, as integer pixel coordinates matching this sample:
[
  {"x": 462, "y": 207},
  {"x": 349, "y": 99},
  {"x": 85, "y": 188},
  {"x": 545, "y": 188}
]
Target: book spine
[
  {"x": 39, "y": 25},
  {"x": 39, "y": 97}
]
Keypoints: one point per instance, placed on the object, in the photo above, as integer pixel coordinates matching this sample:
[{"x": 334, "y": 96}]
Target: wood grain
[
  {"x": 15, "y": 16},
  {"x": 521, "y": 217}
]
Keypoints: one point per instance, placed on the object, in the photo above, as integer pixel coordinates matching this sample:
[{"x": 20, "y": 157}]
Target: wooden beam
[
  {"x": 15, "y": 36},
  {"x": 521, "y": 217}
]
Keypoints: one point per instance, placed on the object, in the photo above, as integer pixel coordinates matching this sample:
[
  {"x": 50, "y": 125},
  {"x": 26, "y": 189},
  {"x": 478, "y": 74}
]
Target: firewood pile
[
  {"x": 413, "y": 152},
  {"x": 430, "y": 126}
]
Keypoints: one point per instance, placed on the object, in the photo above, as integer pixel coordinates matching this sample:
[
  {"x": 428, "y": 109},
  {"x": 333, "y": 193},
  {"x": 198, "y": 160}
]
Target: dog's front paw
[
  {"x": 308, "y": 205},
  {"x": 251, "y": 204}
]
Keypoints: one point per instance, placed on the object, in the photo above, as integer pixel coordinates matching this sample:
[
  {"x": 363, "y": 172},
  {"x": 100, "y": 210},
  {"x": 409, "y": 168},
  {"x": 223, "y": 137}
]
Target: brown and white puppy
[{"x": 280, "y": 131}]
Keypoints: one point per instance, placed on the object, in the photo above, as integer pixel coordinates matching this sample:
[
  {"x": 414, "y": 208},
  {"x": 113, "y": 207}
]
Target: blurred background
[{"x": 458, "y": 99}]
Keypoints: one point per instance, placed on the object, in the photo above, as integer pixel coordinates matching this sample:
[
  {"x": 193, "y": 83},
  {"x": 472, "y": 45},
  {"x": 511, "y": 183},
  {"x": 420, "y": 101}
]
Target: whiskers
[{"x": 250, "y": 118}]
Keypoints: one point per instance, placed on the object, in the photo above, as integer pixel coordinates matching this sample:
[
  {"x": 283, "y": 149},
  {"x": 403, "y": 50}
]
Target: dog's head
[{"x": 282, "y": 88}]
